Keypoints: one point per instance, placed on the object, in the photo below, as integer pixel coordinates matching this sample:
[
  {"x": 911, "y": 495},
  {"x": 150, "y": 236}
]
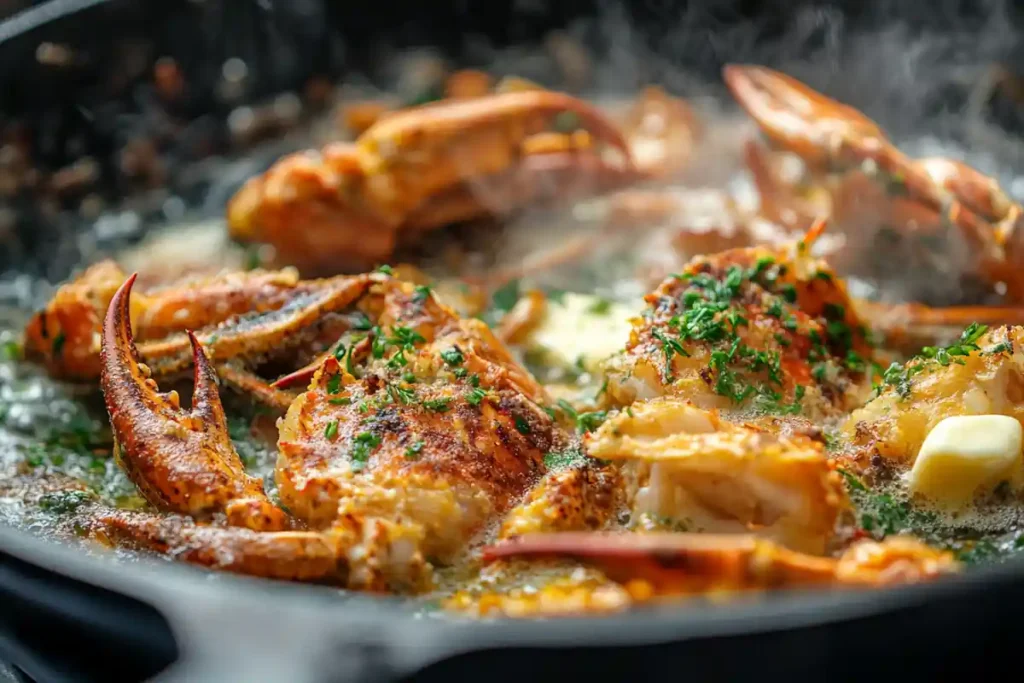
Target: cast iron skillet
[{"x": 70, "y": 616}]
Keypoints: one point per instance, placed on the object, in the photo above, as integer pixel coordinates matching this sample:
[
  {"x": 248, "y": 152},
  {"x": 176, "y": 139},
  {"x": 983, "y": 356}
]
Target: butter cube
[
  {"x": 966, "y": 455},
  {"x": 582, "y": 330}
]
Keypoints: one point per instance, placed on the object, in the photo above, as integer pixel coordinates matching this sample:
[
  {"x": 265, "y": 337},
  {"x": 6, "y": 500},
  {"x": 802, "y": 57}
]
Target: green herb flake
[
  {"x": 413, "y": 451},
  {"x": 600, "y": 307},
  {"x": 58, "y": 343},
  {"x": 421, "y": 294},
  {"x": 365, "y": 442},
  {"x": 10, "y": 351},
  {"x": 437, "y": 405},
  {"x": 331, "y": 431},
  {"x": 522, "y": 426},
  {"x": 563, "y": 460},
  {"x": 506, "y": 296},
  {"x": 588, "y": 422},
  {"x": 452, "y": 356}
]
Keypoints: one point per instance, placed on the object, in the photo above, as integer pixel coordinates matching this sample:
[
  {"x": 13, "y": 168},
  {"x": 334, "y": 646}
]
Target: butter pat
[
  {"x": 967, "y": 455},
  {"x": 582, "y": 330}
]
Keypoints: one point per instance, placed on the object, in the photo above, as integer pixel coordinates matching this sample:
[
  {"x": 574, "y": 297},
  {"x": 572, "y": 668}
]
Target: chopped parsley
[
  {"x": 475, "y": 396},
  {"x": 600, "y": 307},
  {"x": 401, "y": 394},
  {"x": 10, "y": 350},
  {"x": 421, "y": 294},
  {"x": 365, "y": 442},
  {"x": 437, "y": 405},
  {"x": 962, "y": 347},
  {"x": 522, "y": 426},
  {"x": 588, "y": 422},
  {"x": 669, "y": 347},
  {"x": 563, "y": 460},
  {"x": 58, "y": 343},
  {"x": 386, "y": 269},
  {"x": 413, "y": 451},
  {"x": 899, "y": 376},
  {"x": 452, "y": 356},
  {"x": 361, "y": 322},
  {"x": 332, "y": 430},
  {"x": 1000, "y": 348}
]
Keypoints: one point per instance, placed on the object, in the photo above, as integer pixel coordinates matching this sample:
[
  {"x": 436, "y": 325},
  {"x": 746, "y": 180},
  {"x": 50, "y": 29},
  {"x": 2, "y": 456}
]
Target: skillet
[{"x": 69, "y": 616}]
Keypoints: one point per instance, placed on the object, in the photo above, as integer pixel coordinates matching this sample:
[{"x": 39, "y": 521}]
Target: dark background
[{"x": 96, "y": 101}]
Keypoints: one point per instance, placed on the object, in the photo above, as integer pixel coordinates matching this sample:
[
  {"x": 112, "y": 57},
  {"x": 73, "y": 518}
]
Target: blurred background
[{"x": 118, "y": 115}]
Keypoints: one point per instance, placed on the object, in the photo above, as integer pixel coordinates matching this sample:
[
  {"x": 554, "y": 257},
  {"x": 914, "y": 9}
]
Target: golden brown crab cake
[
  {"x": 981, "y": 374},
  {"x": 693, "y": 471},
  {"x": 758, "y": 330}
]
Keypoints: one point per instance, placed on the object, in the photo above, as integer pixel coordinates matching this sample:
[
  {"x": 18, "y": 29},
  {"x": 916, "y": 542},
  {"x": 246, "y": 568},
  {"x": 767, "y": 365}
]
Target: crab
[
  {"x": 350, "y": 205},
  {"x": 383, "y": 461},
  {"x": 984, "y": 375},
  {"x": 414, "y": 437},
  {"x": 247, "y": 321},
  {"x": 882, "y": 200},
  {"x": 749, "y": 328}
]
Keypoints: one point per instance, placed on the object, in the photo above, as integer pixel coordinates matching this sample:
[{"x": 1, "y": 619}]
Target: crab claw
[
  {"x": 682, "y": 563},
  {"x": 794, "y": 116},
  {"x": 182, "y": 461}
]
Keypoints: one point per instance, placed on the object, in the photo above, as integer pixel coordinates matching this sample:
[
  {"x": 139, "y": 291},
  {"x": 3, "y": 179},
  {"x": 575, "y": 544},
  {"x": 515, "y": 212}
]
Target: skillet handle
[{"x": 56, "y": 628}]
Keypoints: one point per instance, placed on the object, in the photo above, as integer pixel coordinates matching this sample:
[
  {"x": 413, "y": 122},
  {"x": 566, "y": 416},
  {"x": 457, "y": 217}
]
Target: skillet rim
[{"x": 413, "y": 643}]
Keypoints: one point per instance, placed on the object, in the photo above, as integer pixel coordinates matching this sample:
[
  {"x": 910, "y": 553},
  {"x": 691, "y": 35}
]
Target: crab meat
[{"x": 696, "y": 470}]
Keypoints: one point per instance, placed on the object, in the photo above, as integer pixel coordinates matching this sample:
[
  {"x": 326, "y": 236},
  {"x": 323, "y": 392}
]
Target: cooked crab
[
  {"x": 982, "y": 374},
  {"x": 748, "y": 329},
  {"x": 246, "y": 320},
  {"x": 882, "y": 200},
  {"x": 385, "y": 461},
  {"x": 351, "y": 205}
]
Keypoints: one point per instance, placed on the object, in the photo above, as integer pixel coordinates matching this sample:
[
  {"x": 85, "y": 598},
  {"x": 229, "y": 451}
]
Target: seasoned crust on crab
[
  {"x": 768, "y": 330},
  {"x": 422, "y": 435},
  {"x": 65, "y": 335},
  {"x": 664, "y": 565},
  {"x": 988, "y": 378},
  {"x": 692, "y": 468},
  {"x": 351, "y": 204}
]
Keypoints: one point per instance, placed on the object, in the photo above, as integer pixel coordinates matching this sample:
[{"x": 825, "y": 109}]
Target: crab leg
[
  {"x": 829, "y": 135},
  {"x": 181, "y": 461},
  {"x": 65, "y": 336},
  {"x": 291, "y": 555},
  {"x": 462, "y": 139},
  {"x": 258, "y": 335},
  {"x": 908, "y": 327},
  {"x": 662, "y": 564},
  {"x": 353, "y": 204}
]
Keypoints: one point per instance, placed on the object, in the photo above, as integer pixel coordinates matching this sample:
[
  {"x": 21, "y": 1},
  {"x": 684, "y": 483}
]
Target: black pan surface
[{"x": 70, "y": 616}]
